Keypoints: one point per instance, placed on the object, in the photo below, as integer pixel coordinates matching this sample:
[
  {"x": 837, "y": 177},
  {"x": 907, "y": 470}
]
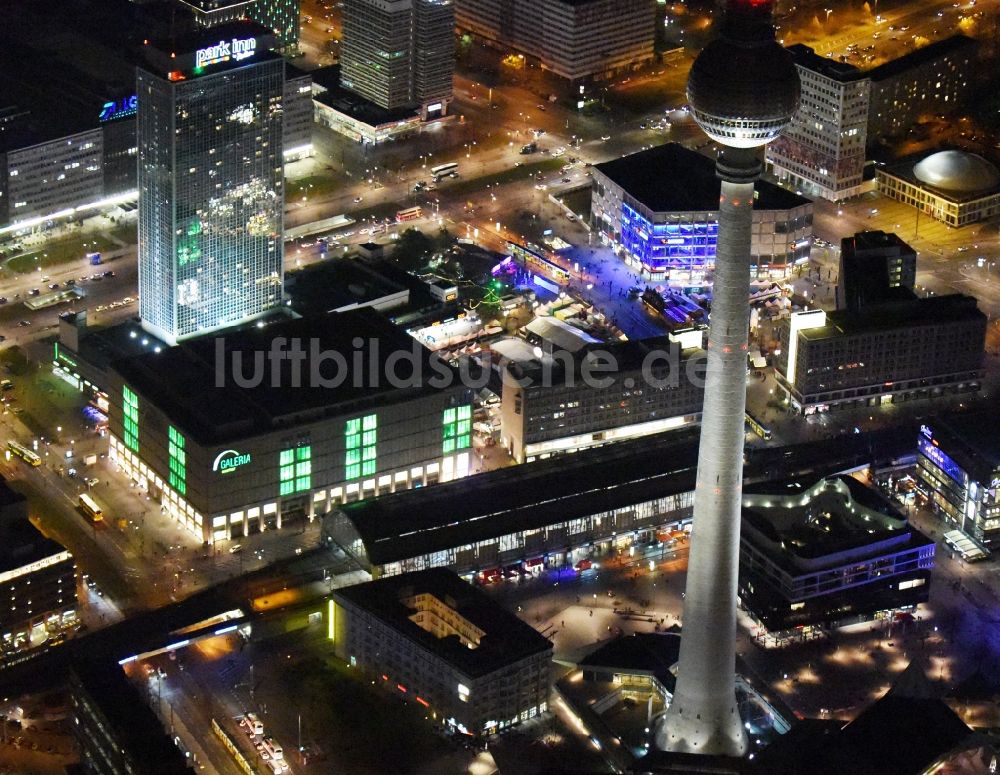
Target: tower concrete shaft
[{"x": 703, "y": 716}]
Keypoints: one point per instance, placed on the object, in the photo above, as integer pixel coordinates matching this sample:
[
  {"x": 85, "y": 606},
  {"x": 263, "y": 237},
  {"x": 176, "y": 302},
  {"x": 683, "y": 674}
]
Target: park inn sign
[
  {"x": 235, "y": 49},
  {"x": 229, "y": 460}
]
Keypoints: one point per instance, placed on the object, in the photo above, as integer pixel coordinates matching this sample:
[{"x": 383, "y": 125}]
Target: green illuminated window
[
  {"x": 130, "y": 418},
  {"x": 178, "y": 460},
  {"x": 456, "y": 429},
  {"x": 360, "y": 443},
  {"x": 295, "y": 470}
]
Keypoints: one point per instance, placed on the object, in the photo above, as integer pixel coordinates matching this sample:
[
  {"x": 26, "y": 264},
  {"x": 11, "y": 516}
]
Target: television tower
[{"x": 743, "y": 90}]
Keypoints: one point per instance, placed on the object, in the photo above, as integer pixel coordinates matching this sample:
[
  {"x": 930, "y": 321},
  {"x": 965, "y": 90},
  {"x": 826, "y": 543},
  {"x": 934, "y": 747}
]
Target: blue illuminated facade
[
  {"x": 958, "y": 465},
  {"x": 668, "y": 247},
  {"x": 658, "y": 209}
]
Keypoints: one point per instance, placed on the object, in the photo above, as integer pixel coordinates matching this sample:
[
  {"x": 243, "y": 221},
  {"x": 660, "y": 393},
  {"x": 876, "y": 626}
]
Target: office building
[
  {"x": 430, "y": 637},
  {"x": 820, "y": 554},
  {"x": 37, "y": 578},
  {"x": 548, "y": 405},
  {"x": 574, "y": 39},
  {"x": 936, "y": 78},
  {"x": 822, "y": 152},
  {"x": 921, "y": 348},
  {"x": 875, "y": 267},
  {"x": 67, "y": 156},
  {"x": 659, "y": 209},
  {"x": 211, "y": 173},
  {"x": 116, "y": 731},
  {"x": 399, "y": 53},
  {"x": 297, "y": 115},
  {"x": 279, "y": 16},
  {"x": 955, "y": 187},
  {"x": 231, "y": 448},
  {"x": 958, "y": 466}
]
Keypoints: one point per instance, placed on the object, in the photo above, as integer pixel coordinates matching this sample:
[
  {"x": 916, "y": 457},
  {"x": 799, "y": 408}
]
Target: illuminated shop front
[
  {"x": 958, "y": 466},
  {"x": 659, "y": 209}
]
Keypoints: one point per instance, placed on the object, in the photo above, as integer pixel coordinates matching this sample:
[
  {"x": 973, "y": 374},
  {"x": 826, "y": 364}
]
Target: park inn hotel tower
[{"x": 210, "y": 177}]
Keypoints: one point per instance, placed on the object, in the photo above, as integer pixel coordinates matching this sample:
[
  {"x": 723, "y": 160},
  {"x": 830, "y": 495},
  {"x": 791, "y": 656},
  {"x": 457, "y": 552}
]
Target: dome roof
[
  {"x": 957, "y": 171},
  {"x": 743, "y": 95}
]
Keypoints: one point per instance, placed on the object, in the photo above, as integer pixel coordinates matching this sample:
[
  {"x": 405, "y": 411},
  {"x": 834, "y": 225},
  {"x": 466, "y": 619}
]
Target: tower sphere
[{"x": 743, "y": 92}]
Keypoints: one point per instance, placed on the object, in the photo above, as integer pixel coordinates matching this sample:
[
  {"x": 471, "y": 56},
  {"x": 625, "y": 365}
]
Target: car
[
  {"x": 93, "y": 481},
  {"x": 566, "y": 180},
  {"x": 642, "y": 125},
  {"x": 570, "y": 217},
  {"x": 358, "y": 200},
  {"x": 605, "y": 138},
  {"x": 24, "y": 323},
  {"x": 71, "y": 473},
  {"x": 53, "y": 286},
  {"x": 236, "y": 548},
  {"x": 34, "y": 292},
  {"x": 109, "y": 273},
  {"x": 70, "y": 283},
  {"x": 6, "y": 384},
  {"x": 3, "y": 299}
]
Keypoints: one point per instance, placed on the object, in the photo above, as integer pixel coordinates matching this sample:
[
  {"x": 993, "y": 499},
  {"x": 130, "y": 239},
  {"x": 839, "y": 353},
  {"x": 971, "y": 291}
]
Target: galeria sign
[
  {"x": 229, "y": 460},
  {"x": 225, "y": 50}
]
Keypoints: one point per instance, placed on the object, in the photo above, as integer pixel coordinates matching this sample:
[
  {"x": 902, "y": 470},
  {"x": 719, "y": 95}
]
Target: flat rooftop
[
  {"x": 972, "y": 438},
  {"x": 921, "y": 56},
  {"x": 647, "y": 652},
  {"x": 811, "y": 519},
  {"x": 334, "y": 284},
  {"x": 671, "y": 178},
  {"x": 506, "y": 640},
  {"x": 804, "y": 56},
  {"x": 224, "y": 411},
  {"x": 23, "y": 544},
  {"x": 354, "y": 105},
  {"x": 906, "y": 314}
]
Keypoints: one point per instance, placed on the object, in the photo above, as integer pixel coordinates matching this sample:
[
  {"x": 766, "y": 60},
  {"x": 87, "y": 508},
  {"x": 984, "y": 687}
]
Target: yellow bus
[
  {"x": 24, "y": 453},
  {"x": 89, "y": 507}
]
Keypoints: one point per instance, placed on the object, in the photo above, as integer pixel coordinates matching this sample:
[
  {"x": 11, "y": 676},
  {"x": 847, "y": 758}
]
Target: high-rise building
[
  {"x": 883, "y": 353},
  {"x": 875, "y": 267},
  {"x": 934, "y": 78},
  {"x": 822, "y": 151},
  {"x": 279, "y": 16},
  {"x": 399, "y": 53},
  {"x": 575, "y": 39},
  {"x": 743, "y": 90},
  {"x": 211, "y": 179}
]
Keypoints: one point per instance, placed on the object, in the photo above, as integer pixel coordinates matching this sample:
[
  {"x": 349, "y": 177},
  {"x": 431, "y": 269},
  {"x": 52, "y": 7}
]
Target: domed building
[{"x": 953, "y": 186}]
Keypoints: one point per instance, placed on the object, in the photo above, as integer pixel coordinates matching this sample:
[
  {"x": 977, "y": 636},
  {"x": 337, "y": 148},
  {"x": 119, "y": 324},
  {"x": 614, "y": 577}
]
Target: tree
[{"x": 412, "y": 250}]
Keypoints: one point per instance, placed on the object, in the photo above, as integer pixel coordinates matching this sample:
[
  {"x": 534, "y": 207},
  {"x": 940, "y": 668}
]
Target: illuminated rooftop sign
[
  {"x": 229, "y": 460},
  {"x": 113, "y": 109},
  {"x": 236, "y": 49}
]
